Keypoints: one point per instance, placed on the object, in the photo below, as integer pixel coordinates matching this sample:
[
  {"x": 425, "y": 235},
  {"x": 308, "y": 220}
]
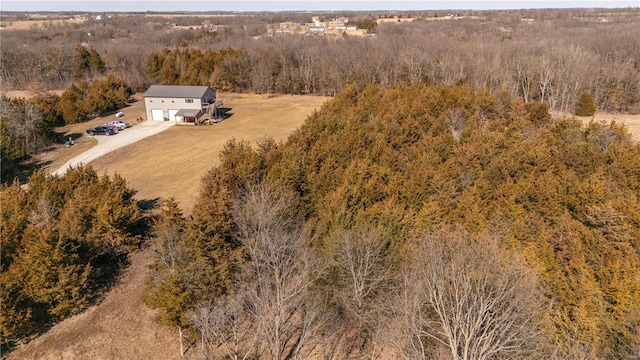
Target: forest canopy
[
  {"x": 382, "y": 193},
  {"x": 575, "y": 61},
  {"x": 538, "y": 55},
  {"x": 436, "y": 186},
  {"x": 63, "y": 241}
]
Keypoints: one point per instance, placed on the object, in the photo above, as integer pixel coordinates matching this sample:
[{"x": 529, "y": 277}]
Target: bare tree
[
  {"x": 545, "y": 74},
  {"x": 456, "y": 122},
  {"x": 26, "y": 124},
  {"x": 524, "y": 77},
  {"x": 364, "y": 270},
  {"x": 279, "y": 272},
  {"x": 44, "y": 214},
  {"x": 468, "y": 295},
  {"x": 263, "y": 72},
  {"x": 226, "y": 327}
]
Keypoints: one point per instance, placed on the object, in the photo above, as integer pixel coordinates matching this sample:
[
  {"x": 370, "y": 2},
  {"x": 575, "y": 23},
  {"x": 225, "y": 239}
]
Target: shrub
[{"x": 585, "y": 105}]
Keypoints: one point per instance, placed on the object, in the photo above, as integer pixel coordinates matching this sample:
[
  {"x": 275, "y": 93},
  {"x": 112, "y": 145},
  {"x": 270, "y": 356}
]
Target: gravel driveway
[{"x": 123, "y": 138}]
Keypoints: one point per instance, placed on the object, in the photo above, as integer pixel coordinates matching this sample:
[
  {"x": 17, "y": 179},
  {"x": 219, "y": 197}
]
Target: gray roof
[
  {"x": 188, "y": 113},
  {"x": 175, "y": 91}
]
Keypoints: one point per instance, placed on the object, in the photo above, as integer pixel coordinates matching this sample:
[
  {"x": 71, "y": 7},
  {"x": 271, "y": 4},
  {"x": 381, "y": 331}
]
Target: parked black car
[{"x": 101, "y": 130}]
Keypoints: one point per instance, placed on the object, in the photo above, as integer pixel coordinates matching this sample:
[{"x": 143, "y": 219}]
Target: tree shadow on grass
[
  {"x": 28, "y": 165},
  {"x": 109, "y": 268},
  {"x": 144, "y": 228},
  {"x": 6, "y": 347},
  {"x": 110, "y": 265},
  {"x": 70, "y": 137},
  {"x": 25, "y": 168},
  {"x": 223, "y": 113},
  {"x": 149, "y": 204}
]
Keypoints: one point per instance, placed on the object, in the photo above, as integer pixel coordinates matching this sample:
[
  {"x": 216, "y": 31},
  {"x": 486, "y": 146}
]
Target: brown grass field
[
  {"x": 35, "y": 24},
  {"x": 172, "y": 163},
  {"x": 120, "y": 327},
  {"x": 632, "y": 122}
]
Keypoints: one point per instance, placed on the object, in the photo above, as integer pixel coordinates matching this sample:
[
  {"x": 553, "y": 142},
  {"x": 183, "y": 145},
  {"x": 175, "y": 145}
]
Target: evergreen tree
[
  {"x": 562, "y": 196},
  {"x": 585, "y": 106},
  {"x": 61, "y": 243},
  {"x": 167, "y": 289},
  {"x": 87, "y": 64},
  {"x": 96, "y": 63},
  {"x": 106, "y": 95},
  {"x": 71, "y": 104},
  {"x": 81, "y": 62}
]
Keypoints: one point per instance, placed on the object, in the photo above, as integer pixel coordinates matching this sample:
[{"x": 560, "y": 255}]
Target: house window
[{"x": 188, "y": 101}]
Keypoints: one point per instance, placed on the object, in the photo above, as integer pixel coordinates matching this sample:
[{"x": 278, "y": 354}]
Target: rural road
[{"x": 123, "y": 138}]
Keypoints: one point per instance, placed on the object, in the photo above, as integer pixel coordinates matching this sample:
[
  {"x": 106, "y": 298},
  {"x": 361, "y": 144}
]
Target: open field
[
  {"x": 632, "y": 122},
  {"x": 171, "y": 164},
  {"x": 395, "y": 19},
  {"x": 35, "y": 24},
  {"x": 28, "y": 94}
]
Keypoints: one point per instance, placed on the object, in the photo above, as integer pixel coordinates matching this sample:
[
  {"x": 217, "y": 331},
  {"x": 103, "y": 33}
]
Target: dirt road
[{"x": 107, "y": 144}]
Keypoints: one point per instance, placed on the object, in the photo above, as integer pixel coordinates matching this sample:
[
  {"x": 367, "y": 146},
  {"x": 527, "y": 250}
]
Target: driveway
[{"x": 123, "y": 138}]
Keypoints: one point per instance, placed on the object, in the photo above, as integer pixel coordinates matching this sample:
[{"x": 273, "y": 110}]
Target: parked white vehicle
[
  {"x": 119, "y": 114},
  {"x": 120, "y": 125}
]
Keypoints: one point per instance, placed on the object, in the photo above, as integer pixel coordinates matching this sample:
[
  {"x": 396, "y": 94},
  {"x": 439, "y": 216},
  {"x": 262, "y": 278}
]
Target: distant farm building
[
  {"x": 336, "y": 27},
  {"x": 182, "y": 104}
]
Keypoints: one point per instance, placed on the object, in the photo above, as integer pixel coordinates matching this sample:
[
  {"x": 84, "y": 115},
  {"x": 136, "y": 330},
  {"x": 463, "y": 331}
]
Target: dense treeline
[
  {"x": 63, "y": 241},
  {"x": 85, "y": 100},
  {"x": 470, "y": 52},
  {"x": 556, "y": 57},
  {"x": 227, "y": 69},
  {"x": 538, "y": 55},
  {"x": 421, "y": 221},
  {"x": 27, "y": 126}
]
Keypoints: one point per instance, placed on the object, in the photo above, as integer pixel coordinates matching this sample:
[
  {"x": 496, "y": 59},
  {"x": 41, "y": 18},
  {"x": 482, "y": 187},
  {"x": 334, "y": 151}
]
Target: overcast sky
[{"x": 291, "y": 5}]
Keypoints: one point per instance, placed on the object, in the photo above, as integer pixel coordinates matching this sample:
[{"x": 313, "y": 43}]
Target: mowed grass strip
[{"x": 172, "y": 163}]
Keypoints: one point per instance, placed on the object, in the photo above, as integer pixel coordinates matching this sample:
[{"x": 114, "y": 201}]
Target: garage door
[
  {"x": 172, "y": 115},
  {"x": 156, "y": 114}
]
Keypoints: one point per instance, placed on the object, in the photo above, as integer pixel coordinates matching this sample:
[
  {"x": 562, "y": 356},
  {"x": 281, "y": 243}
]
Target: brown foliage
[
  {"x": 63, "y": 240},
  {"x": 376, "y": 158}
]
